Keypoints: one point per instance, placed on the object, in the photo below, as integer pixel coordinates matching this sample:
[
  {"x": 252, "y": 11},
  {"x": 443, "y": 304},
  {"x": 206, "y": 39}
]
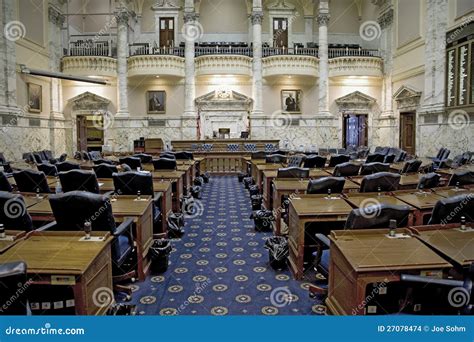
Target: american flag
[{"x": 198, "y": 128}]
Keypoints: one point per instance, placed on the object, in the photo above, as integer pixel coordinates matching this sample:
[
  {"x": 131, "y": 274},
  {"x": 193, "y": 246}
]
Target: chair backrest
[
  {"x": 129, "y": 183},
  {"x": 67, "y": 166},
  {"x": 338, "y": 159},
  {"x": 48, "y": 169},
  {"x": 28, "y": 157},
  {"x": 445, "y": 154},
  {"x": 375, "y": 158},
  {"x": 293, "y": 172},
  {"x": 315, "y": 161},
  {"x": 377, "y": 216},
  {"x": 389, "y": 158},
  {"x": 296, "y": 161},
  {"x": 183, "y": 155},
  {"x": 401, "y": 157},
  {"x": 144, "y": 158},
  {"x": 346, "y": 170},
  {"x": 133, "y": 162},
  {"x": 275, "y": 158},
  {"x": 62, "y": 157},
  {"x": 168, "y": 155},
  {"x": 2, "y": 158},
  {"x": 322, "y": 185},
  {"x": 72, "y": 209},
  {"x": 385, "y": 181},
  {"x": 463, "y": 178},
  {"x": 48, "y": 155},
  {"x": 440, "y": 153},
  {"x": 85, "y": 155},
  {"x": 429, "y": 181},
  {"x": 411, "y": 166},
  {"x": 258, "y": 155},
  {"x": 80, "y": 180},
  {"x": 103, "y": 161},
  {"x": 13, "y": 213},
  {"x": 95, "y": 155},
  {"x": 105, "y": 170},
  {"x": 4, "y": 183},
  {"x": 38, "y": 157},
  {"x": 164, "y": 164},
  {"x": 371, "y": 168},
  {"x": 31, "y": 181},
  {"x": 450, "y": 210},
  {"x": 13, "y": 277}
]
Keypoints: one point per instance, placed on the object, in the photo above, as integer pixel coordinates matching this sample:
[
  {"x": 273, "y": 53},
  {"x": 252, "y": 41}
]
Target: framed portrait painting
[
  {"x": 156, "y": 102},
  {"x": 291, "y": 101},
  {"x": 35, "y": 98}
]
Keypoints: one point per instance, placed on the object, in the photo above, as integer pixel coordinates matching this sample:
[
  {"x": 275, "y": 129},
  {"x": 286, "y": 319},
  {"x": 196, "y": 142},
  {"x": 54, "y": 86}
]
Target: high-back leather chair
[
  {"x": 129, "y": 183},
  {"x": 183, "y": 155},
  {"x": 450, "y": 210},
  {"x": 371, "y": 168},
  {"x": 13, "y": 277},
  {"x": 462, "y": 178},
  {"x": 258, "y": 155},
  {"x": 164, "y": 164},
  {"x": 293, "y": 172},
  {"x": 38, "y": 157},
  {"x": 4, "y": 183},
  {"x": 79, "y": 180},
  {"x": 67, "y": 166},
  {"x": 144, "y": 158},
  {"x": 429, "y": 181},
  {"x": 13, "y": 213},
  {"x": 168, "y": 155},
  {"x": 133, "y": 162},
  {"x": 296, "y": 161},
  {"x": 105, "y": 170},
  {"x": 389, "y": 159},
  {"x": 275, "y": 158},
  {"x": 411, "y": 166},
  {"x": 338, "y": 159},
  {"x": 315, "y": 161},
  {"x": 346, "y": 170},
  {"x": 62, "y": 158},
  {"x": 48, "y": 169},
  {"x": 31, "y": 181},
  {"x": 401, "y": 157},
  {"x": 322, "y": 185},
  {"x": 103, "y": 161},
  {"x": 375, "y": 158},
  {"x": 85, "y": 155},
  {"x": 385, "y": 181},
  {"x": 377, "y": 216}
]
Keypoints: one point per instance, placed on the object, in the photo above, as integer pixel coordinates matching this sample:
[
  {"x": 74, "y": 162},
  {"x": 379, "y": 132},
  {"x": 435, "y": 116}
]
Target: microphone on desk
[
  {"x": 139, "y": 195},
  {"x": 87, "y": 230},
  {"x": 393, "y": 227},
  {"x": 463, "y": 223}
]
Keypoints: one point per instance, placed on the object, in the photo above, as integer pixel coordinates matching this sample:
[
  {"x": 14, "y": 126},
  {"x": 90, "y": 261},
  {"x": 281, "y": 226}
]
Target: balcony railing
[
  {"x": 276, "y": 51},
  {"x": 140, "y": 49},
  {"x": 223, "y": 50},
  {"x": 349, "y": 52},
  {"x": 91, "y": 47}
]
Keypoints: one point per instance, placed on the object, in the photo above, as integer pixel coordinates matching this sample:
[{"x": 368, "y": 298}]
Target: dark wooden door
[
  {"x": 408, "y": 132},
  {"x": 81, "y": 122},
  {"x": 280, "y": 32},
  {"x": 166, "y": 32},
  {"x": 355, "y": 130}
]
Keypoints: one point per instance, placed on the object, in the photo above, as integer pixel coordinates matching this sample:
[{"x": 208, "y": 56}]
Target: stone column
[
  {"x": 56, "y": 20},
  {"x": 323, "y": 20},
  {"x": 385, "y": 21},
  {"x": 189, "y": 54},
  {"x": 257, "y": 17},
  {"x": 122, "y": 15},
  {"x": 308, "y": 28}
]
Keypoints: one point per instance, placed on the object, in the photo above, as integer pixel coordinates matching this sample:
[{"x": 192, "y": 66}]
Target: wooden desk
[
  {"x": 311, "y": 208},
  {"x": 362, "y": 200},
  {"x": 363, "y": 257},
  {"x": 450, "y": 191},
  {"x": 424, "y": 203},
  {"x": 51, "y": 180},
  {"x": 409, "y": 181},
  {"x": 59, "y": 258},
  {"x": 12, "y": 237},
  {"x": 32, "y": 199},
  {"x": 398, "y": 167},
  {"x": 260, "y": 168},
  {"x": 175, "y": 177}
]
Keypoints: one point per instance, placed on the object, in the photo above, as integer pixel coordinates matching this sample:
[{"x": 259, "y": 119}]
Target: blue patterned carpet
[{"x": 220, "y": 265}]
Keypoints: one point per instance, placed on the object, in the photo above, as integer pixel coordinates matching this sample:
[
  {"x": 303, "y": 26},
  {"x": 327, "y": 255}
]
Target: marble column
[
  {"x": 257, "y": 85},
  {"x": 308, "y": 28},
  {"x": 189, "y": 54},
  {"x": 323, "y": 20},
  {"x": 385, "y": 21},
  {"x": 56, "y": 20},
  {"x": 122, "y": 15}
]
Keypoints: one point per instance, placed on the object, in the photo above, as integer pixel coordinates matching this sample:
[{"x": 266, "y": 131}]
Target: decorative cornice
[
  {"x": 323, "y": 19},
  {"x": 256, "y": 17},
  {"x": 386, "y": 18},
  {"x": 122, "y": 15},
  {"x": 55, "y": 16}
]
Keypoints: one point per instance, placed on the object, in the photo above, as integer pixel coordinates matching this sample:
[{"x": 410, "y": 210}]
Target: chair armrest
[
  {"x": 109, "y": 193},
  {"x": 324, "y": 239},
  {"x": 124, "y": 227},
  {"x": 46, "y": 226}
]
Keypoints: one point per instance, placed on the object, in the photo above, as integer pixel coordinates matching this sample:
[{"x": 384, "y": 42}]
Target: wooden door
[
  {"x": 408, "y": 132},
  {"x": 280, "y": 32},
  {"x": 167, "y": 32},
  {"x": 81, "y": 123},
  {"x": 355, "y": 130}
]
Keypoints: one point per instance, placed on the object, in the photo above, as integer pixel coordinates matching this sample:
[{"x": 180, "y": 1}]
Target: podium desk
[
  {"x": 363, "y": 257},
  {"x": 306, "y": 209},
  {"x": 61, "y": 258},
  {"x": 422, "y": 201},
  {"x": 177, "y": 180}
]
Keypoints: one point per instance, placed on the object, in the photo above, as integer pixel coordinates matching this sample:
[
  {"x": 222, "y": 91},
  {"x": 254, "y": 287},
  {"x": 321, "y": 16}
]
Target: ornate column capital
[
  {"x": 122, "y": 15},
  {"x": 385, "y": 19},
  {"x": 55, "y": 16},
  {"x": 190, "y": 17},
  {"x": 323, "y": 19},
  {"x": 256, "y": 17}
]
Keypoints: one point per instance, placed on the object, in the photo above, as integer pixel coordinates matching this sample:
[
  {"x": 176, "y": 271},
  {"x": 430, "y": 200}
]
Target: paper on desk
[
  {"x": 7, "y": 238},
  {"x": 92, "y": 239}
]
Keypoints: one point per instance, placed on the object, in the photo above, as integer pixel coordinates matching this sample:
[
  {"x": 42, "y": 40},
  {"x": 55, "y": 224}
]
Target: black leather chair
[
  {"x": 103, "y": 161},
  {"x": 67, "y": 166},
  {"x": 168, "y": 155},
  {"x": 315, "y": 161},
  {"x": 375, "y": 158},
  {"x": 48, "y": 169},
  {"x": 401, "y": 156},
  {"x": 144, "y": 158},
  {"x": 13, "y": 277},
  {"x": 323, "y": 185},
  {"x": 338, "y": 159},
  {"x": 62, "y": 158},
  {"x": 31, "y": 181},
  {"x": 411, "y": 166},
  {"x": 105, "y": 170},
  {"x": 450, "y": 210},
  {"x": 258, "y": 155},
  {"x": 125, "y": 168},
  {"x": 13, "y": 213},
  {"x": 184, "y": 155},
  {"x": 6, "y": 165},
  {"x": 85, "y": 155},
  {"x": 346, "y": 170},
  {"x": 79, "y": 180},
  {"x": 279, "y": 152},
  {"x": 28, "y": 158},
  {"x": 72, "y": 209},
  {"x": 39, "y": 159},
  {"x": 275, "y": 158},
  {"x": 385, "y": 181},
  {"x": 429, "y": 181},
  {"x": 462, "y": 178},
  {"x": 389, "y": 158},
  {"x": 4, "y": 183},
  {"x": 293, "y": 172},
  {"x": 164, "y": 164},
  {"x": 371, "y": 168},
  {"x": 133, "y": 162},
  {"x": 296, "y": 161}
]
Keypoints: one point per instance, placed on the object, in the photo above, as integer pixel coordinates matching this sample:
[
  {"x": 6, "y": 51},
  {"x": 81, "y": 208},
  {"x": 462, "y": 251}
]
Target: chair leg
[{"x": 316, "y": 290}]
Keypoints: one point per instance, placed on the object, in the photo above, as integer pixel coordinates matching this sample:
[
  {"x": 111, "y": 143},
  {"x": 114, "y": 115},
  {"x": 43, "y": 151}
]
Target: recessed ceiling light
[{"x": 157, "y": 76}]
